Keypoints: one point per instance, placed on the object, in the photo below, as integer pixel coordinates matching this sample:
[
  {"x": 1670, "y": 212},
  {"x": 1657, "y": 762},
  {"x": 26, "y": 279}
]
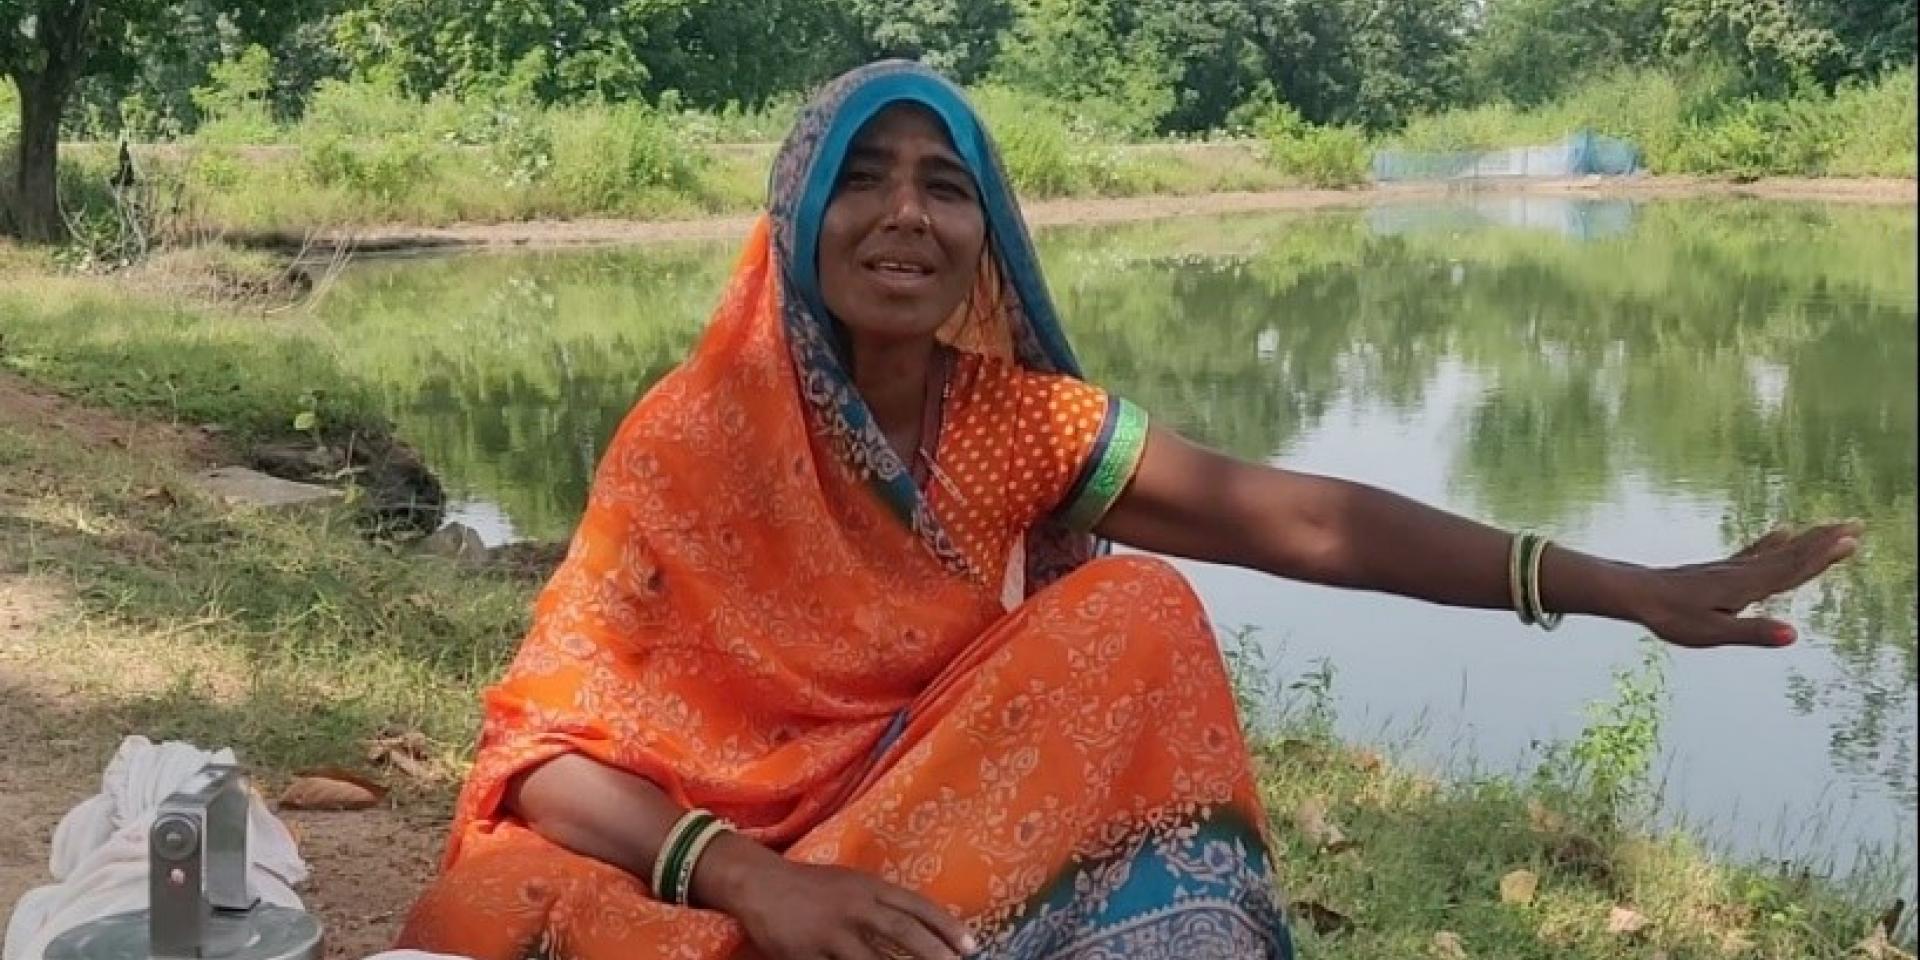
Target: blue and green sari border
[{"x": 1109, "y": 466}]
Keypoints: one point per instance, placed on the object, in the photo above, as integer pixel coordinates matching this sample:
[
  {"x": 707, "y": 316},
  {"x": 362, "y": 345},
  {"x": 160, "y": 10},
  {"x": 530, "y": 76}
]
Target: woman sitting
[{"x": 831, "y": 670}]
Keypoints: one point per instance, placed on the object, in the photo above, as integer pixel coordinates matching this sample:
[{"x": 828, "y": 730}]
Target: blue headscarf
[{"x": 805, "y": 173}]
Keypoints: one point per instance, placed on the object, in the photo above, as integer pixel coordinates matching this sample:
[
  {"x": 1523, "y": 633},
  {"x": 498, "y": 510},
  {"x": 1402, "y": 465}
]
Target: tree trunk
[{"x": 36, "y": 197}]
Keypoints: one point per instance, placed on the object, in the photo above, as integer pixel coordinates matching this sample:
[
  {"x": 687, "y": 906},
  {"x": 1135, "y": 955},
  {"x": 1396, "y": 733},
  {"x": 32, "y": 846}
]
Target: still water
[{"x": 1658, "y": 382}]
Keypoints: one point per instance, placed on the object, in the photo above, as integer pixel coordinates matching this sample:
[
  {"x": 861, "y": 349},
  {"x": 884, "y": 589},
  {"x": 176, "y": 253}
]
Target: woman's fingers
[
  {"x": 1771, "y": 539},
  {"x": 1816, "y": 550},
  {"x": 1726, "y": 630},
  {"x": 931, "y": 916},
  {"x": 902, "y": 936},
  {"x": 1763, "y": 572}
]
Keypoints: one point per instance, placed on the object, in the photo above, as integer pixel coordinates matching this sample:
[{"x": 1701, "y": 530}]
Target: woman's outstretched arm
[{"x": 1188, "y": 501}]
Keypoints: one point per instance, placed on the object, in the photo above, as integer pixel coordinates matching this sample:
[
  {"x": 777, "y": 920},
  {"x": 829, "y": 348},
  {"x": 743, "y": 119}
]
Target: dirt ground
[
  {"x": 400, "y": 240},
  {"x": 55, "y": 739}
]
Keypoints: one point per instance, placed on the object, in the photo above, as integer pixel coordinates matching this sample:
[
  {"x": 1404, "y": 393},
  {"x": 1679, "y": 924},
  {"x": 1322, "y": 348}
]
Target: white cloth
[{"x": 99, "y": 860}]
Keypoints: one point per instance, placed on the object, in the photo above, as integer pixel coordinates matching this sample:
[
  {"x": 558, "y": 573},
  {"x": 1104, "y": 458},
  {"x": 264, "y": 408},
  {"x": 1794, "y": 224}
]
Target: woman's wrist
[
  {"x": 1575, "y": 583},
  {"x": 724, "y": 878}
]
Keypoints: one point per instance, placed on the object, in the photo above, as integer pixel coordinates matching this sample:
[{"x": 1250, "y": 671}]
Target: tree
[
  {"x": 1774, "y": 45},
  {"x": 957, "y": 37},
  {"x": 557, "y": 49},
  {"x": 1409, "y": 58},
  {"x": 48, "y": 46},
  {"x": 1529, "y": 51}
]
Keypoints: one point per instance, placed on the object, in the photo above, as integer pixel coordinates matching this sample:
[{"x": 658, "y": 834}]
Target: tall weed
[{"x": 1328, "y": 157}]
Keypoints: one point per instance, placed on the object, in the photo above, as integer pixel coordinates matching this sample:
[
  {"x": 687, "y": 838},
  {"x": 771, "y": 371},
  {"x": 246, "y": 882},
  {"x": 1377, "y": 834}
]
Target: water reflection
[
  {"x": 1570, "y": 217},
  {"x": 1745, "y": 362}
]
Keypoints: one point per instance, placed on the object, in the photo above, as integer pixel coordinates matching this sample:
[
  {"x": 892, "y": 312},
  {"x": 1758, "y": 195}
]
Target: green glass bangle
[
  {"x": 657, "y": 879},
  {"x": 680, "y": 843}
]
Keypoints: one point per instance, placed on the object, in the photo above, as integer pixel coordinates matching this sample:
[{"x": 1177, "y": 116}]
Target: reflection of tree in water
[
  {"x": 1247, "y": 352},
  {"x": 1787, "y": 392},
  {"x": 1760, "y": 356},
  {"x": 509, "y": 374}
]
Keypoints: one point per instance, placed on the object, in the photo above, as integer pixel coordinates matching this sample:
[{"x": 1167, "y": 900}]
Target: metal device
[{"x": 200, "y": 905}]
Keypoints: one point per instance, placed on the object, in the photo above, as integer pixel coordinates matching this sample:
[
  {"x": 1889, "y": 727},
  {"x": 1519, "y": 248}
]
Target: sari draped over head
[{"x": 765, "y": 615}]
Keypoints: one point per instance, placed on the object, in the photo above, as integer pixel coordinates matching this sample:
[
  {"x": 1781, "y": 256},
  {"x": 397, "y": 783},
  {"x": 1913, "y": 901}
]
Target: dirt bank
[{"x": 401, "y": 239}]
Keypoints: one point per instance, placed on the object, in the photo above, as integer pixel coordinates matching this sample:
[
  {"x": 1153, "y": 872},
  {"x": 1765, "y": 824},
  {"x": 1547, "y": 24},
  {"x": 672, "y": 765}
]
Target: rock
[
  {"x": 297, "y": 461},
  {"x": 457, "y": 542},
  {"x": 1518, "y": 887},
  {"x": 399, "y": 496},
  {"x": 241, "y": 487},
  {"x": 403, "y": 496},
  {"x": 1625, "y": 921}
]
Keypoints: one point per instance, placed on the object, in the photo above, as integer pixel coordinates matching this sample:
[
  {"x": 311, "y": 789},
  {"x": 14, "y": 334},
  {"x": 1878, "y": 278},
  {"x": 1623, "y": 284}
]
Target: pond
[{"x": 1656, "y": 381}]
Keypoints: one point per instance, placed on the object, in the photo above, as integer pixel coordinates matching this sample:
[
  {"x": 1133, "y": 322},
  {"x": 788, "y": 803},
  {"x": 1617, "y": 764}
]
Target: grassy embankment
[
  {"x": 296, "y": 640},
  {"x": 363, "y": 155}
]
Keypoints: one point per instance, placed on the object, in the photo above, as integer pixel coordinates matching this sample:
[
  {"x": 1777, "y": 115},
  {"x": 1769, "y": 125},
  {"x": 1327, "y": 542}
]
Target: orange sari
[{"x": 764, "y": 616}]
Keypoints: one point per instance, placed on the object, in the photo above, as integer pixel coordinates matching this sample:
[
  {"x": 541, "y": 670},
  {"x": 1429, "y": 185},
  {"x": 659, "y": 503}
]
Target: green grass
[
  {"x": 291, "y": 639},
  {"x": 129, "y": 342}
]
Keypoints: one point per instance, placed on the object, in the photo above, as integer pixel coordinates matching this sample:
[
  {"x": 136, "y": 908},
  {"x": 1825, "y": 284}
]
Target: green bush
[
  {"x": 604, "y": 157},
  {"x": 1052, "y": 149},
  {"x": 1875, "y": 128},
  {"x": 1034, "y": 142},
  {"x": 384, "y": 171},
  {"x": 1329, "y": 157},
  {"x": 1755, "y": 139},
  {"x": 233, "y": 104},
  {"x": 734, "y": 123}
]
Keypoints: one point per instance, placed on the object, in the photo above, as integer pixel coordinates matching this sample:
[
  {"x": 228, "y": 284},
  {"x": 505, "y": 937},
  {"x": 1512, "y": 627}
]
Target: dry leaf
[
  {"x": 1518, "y": 887},
  {"x": 1624, "y": 921},
  {"x": 1447, "y": 946},
  {"x": 1367, "y": 761},
  {"x": 331, "y": 789},
  {"x": 406, "y": 752},
  {"x": 1322, "y": 918},
  {"x": 1314, "y": 824}
]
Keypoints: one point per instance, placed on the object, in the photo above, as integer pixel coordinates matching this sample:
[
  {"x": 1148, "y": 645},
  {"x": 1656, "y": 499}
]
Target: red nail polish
[{"x": 1782, "y": 636}]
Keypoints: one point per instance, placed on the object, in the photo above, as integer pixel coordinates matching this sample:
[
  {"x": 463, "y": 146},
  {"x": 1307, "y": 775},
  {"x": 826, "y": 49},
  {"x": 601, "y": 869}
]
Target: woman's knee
[{"x": 1142, "y": 576}]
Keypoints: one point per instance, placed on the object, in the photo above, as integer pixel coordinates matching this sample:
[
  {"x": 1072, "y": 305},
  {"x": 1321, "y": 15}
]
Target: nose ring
[{"x": 926, "y": 222}]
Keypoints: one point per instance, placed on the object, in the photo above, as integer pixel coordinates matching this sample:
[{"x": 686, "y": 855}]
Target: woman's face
[{"x": 903, "y": 231}]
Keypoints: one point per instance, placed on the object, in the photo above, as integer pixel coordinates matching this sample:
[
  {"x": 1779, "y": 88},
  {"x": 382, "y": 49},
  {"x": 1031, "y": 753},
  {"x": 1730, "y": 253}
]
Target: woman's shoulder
[{"x": 993, "y": 373}]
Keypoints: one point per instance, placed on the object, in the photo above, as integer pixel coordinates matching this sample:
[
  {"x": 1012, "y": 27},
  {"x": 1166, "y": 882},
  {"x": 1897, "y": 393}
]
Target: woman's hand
[
  {"x": 1699, "y": 605},
  {"x": 797, "y": 911}
]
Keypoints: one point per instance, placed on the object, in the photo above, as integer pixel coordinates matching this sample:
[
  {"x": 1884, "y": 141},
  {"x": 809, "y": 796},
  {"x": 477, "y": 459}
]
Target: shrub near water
[
  {"x": 612, "y": 158},
  {"x": 1690, "y": 125},
  {"x": 1047, "y": 152},
  {"x": 1317, "y": 155}
]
